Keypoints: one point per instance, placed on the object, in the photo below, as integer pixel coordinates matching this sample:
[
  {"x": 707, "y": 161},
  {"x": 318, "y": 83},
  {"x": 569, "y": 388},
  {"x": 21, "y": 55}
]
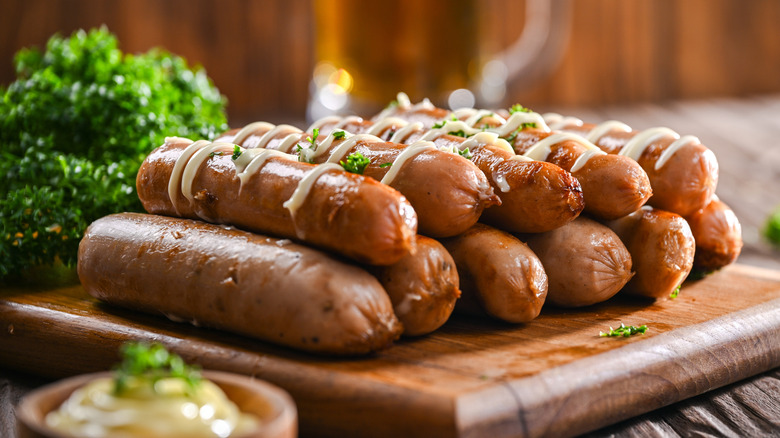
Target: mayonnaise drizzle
[
  {"x": 327, "y": 120},
  {"x": 410, "y": 151},
  {"x": 403, "y": 133},
  {"x": 274, "y": 132},
  {"x": 635, "y": 147},
  {"x": 542, "y": 149},
  {"x": 602, "y": 129},
  {"x": 473, "y": 116},
  {"x": 557, "y": 121},
  {"x": 194, "y": 163},
  {"x": 404, "y": 103},
  {"x": 341, "y": 150},
  {"x": 305, "y": 185},
  {"x": 457, "y": 125},
  {"x": 247, "y": 130},
  {"x": 251, "y": 160},
  {"x": 174, "y": 183},
  {"x": 379, "y": 127}
]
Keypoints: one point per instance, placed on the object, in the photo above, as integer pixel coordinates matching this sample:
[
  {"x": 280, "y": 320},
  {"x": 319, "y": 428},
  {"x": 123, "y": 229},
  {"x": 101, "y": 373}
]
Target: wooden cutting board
[{"x": 474, "y": 377}]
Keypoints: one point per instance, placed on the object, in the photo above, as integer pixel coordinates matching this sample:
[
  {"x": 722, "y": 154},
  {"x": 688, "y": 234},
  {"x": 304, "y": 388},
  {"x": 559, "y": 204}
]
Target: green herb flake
[
  {"x": 214, "y": 154},
  {"x": 458, "y": 133},
  {"x": 517, "y": 108},
  {"x": 675, "y": 292},
  {"x": 624, "y": 331},
  {"x": 152, "y": 362},
  {"x": 465, "y": 153},
  {"x": 236, "y": 152},
  {"x": 338, "y": 135},
  {"x": 383, "y": 165},
  {"x": 356, "y": 163}
]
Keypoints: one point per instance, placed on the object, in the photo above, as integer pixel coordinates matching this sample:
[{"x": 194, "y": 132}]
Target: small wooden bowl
[{"x": 273, "y": 406}]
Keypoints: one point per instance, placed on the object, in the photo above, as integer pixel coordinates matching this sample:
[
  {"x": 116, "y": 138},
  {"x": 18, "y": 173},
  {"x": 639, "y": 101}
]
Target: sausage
[
  {"x": 447, "y": 191},
  {"x": 209, "y": 275},
  {"x": 499, "y": 275},
  {"x": 612, "y": 185},
  {"x": 586, "y": 263},
  {"x": 423, "y": 287},
  {"x": 718, "y": 235},
  {"x": 535, "y": 196},
  {"x": 662, "y": 248},
  {"x": 343, "y": 212},
  {"x": 682, "y": 172}
]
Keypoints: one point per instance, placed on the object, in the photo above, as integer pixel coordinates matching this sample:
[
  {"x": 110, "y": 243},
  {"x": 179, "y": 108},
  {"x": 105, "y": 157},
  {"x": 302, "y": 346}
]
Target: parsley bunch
[{"x": 74, "y": 128}]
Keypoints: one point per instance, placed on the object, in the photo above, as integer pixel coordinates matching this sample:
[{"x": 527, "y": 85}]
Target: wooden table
[{"x": 745, "y": 135}]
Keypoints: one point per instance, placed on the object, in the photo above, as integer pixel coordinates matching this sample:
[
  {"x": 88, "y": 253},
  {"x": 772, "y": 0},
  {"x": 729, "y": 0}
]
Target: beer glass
[{"x": 368, "y": 51}]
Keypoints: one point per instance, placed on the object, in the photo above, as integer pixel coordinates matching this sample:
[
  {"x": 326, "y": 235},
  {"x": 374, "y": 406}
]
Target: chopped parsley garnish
[
  {"x": 338, "y": 135},
  {"x": 675, "y": 292},
  {"x": 458, "y": 133},
  {"x": 213, "y": 154},
  {"x": 236, "y": 152},
  {"x": 511, "y": 138},
  {"x": 152, "y": 362},
  {"x": 302, "y": 155},
  {"x": 465, "y": 153},
  {"x": 624, "y": 331},
  {"x": 356, "y": 163},
  {"x": 444, "y": 122},
  {"x": 383, "y": 165},
  {"x": 517, "y": 108}
]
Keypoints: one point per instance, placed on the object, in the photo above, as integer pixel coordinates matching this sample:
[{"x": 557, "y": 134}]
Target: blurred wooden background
[{"x": 260, "y": 52}]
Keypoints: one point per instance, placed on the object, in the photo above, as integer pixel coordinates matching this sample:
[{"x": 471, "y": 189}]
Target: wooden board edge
[{"x": 586, "y": 395}]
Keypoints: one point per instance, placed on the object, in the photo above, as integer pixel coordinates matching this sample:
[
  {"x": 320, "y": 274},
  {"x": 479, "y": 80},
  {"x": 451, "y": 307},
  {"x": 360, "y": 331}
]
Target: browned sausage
[
  {"x": 423, "y": 287},
  {"x": 586, "y": 263},
  {"x": 447, "y": 191},
  {"x": 535, "y": 196},
  {"x": 612, "y": 185},
  {"x": 683, "y": 184},
  {"x": 718, "y": 235},
  {"x": 343, "y": 212},
  {"x": 661, "y": 246},
  {"x": 499, "y": 275},
  {"x": 210, "y": 275}
]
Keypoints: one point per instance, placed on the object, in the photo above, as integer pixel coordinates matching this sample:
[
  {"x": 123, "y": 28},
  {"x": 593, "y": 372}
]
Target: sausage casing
[
  {"x": 662, "y": 248},
  {"x": 346, "y": 213},
  {"x": 266, "y": 288},
  {"x": 423, "y": 287},
  {"x": 499, "y": 274},
  {"x": 718, "y": 235},
  {"x": 586, "y": 263}
]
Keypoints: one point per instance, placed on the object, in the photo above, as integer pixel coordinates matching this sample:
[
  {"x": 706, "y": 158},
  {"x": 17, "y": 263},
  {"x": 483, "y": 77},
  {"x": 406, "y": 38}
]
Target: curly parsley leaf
[{"x": 356, "y": 163}]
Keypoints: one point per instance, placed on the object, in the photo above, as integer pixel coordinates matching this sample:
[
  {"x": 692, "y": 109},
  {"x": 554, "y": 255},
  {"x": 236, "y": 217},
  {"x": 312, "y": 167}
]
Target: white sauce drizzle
[
  {"x": 457, "y": 125},
  {"x": 404, "y": 103},
  {"x": 541, "y": 150},
  {"x": 341, "y": 150},
  {"x": 327, "y": 120},
  {"x": 275, "y": 132},
  {"x": 305, "y": 185},
  {"x": 410, "y": 151},
  {"x": 473, "y": 116},
  {"x": 674, "y": 147},
  {"x": 404, "y": 133},
  {"x": 346, "y": 121},
  {"x": 378, "y": 127},
  {"x": 247, "y": 130},
  {"x": 557, "y": 121},
  {"x": 637, "y": 145},
  {"x": 251, "y": 160},
  {"x": 174, "y": 183},
  {"x": 194, "y": 163},
  {"x": 288, "y": 143},
  {"x": 602, "y": 129},
  {"x": 517, "y": 119}
]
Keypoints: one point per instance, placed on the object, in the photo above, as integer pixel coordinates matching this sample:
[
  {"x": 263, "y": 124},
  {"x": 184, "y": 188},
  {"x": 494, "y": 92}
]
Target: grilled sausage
[
  {"x": 447, "y": 191},
  {"x": 718, "y": 235},
  {"x": 661, "y": 246},
  {"x": 270, "y": 289},
  {"x": 499, "y": 275},
  {"x": 683, "y": 173},
  {"x": 423, "y": 287},
  {"x": 586, "y": 263},
  {"x": 343, "y": 212}
]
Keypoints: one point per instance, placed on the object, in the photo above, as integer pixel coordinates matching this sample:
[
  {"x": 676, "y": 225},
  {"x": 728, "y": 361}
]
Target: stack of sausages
[{"x": 340, "y": 238}]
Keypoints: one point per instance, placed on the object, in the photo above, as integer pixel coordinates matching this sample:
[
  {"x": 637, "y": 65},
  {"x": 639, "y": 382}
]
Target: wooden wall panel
[{"x": 260, "y": 52}]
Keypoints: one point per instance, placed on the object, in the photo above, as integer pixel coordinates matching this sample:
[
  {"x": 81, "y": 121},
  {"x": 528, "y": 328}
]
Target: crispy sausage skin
[
  {"x": 661, "y": 246},
  {"x": 346, "y": 213},
  {"x": 612, "y": 185},
  {"x": 499, "y": 275},
  {"x": 210, "y": 275},
  {"x": 447, "y": 191},
  {"x": 683, "y": 185},
  {"x": 586, "y": 262},
  {"x": 423, "y": 287},
  {"x": 718, "y": 235}
]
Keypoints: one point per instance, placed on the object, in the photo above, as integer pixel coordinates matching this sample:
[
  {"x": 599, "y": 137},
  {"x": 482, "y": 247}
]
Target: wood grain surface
[{"x": 552, "y": 377}]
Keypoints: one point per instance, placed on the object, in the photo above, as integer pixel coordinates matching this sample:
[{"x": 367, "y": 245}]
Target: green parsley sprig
[
  {"x": 624, "y": 331},
  {"x": 356, "y": 163},
  {"x": 236, "y": 152},
  {"x": 338, "y": 135},
  {"x": 517, "y": 108},
  {"x": 675, "y": 292},
  {"x": 303, "y": 153},
  {"x": 152, "y": 362}
]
